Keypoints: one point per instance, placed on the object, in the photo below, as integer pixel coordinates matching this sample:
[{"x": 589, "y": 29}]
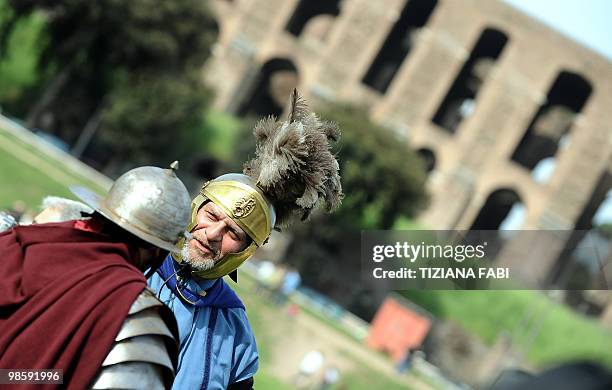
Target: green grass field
[
  {"x": 29, "y": 175},
  {"x": 550, "y": 332},
  {"x": 262, "y": 313}
]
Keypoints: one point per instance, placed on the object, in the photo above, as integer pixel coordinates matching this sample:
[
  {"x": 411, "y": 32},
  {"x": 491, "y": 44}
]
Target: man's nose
[{"x": 214, "y": 232}]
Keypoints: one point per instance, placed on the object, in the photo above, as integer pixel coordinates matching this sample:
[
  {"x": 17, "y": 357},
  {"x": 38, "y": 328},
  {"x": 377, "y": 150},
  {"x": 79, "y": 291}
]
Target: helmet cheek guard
[{"x": 228, "y": 264}]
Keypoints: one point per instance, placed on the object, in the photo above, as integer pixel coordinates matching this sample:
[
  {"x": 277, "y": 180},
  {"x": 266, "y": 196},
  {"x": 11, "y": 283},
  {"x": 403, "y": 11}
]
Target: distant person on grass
[{"x": 56, "y": 209}]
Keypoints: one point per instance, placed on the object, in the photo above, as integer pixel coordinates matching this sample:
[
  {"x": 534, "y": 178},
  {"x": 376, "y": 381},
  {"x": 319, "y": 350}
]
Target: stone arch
[
  {"x": 428, "y": 157},
  {"x": 460, "y": 99},
  {"x": 503, "y": 213},
  {"x": 319, "y": 28},
  {"x": 216, "y": 28},
  {"x": 271, "y": 89},
  {"x": 553, "y": 120},
  {"x": 308, "y": 10},
  {"x": 398, "y": 44},
  {"x": 496, "y": 210}
]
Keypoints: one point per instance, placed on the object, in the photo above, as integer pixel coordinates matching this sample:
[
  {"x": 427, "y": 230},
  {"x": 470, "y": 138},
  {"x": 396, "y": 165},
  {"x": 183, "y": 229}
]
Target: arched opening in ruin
[
  {"x": 586, "y": 260},
  {"x": 309, "y": 12},
  {"x": 429, "y": 159},
  {"x": 553, "y": 120},
  {"x": 398, "y": 44},
  {"x": 544, "y": 170},
  {"x": 504, "y": 212},
  {"x": 460, "y": 100},
  {"x": 271, "y": 90}
]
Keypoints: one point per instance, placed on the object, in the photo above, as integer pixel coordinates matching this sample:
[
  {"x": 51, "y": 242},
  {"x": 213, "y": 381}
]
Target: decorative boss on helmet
[{"x": 293, "y": 172}]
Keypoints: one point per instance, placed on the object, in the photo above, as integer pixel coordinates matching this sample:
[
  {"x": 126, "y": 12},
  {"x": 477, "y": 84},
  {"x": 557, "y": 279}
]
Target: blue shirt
[{"x": 217, "y": 345}]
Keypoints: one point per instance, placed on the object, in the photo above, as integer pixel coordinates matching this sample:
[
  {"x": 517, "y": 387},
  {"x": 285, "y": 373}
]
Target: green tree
[
  {"x": 383, "y": 179},
  {"x": 149, "y": 113},
  {"x": 605, "y": 229},
  {"x": 93, "y": 52}
]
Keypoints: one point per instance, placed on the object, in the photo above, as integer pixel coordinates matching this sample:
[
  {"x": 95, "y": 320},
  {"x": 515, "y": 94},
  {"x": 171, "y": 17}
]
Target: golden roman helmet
[
  {"x": 293, "y": 172},
  {"x": 247, "y": 205}
]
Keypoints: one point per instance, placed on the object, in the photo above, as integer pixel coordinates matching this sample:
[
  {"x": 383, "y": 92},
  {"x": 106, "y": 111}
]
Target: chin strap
[{"x": 228, "y": 264}]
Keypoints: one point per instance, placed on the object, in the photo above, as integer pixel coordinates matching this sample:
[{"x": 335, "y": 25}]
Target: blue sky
[{"x": 586, "y": 21}]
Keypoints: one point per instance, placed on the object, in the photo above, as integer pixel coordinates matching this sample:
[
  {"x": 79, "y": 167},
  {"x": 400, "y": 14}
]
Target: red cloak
[{"x": 64, "y": 294}]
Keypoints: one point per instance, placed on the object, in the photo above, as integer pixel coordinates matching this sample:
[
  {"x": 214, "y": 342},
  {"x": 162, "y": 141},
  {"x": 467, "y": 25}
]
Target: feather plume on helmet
[{"x": 294, "y": 165}]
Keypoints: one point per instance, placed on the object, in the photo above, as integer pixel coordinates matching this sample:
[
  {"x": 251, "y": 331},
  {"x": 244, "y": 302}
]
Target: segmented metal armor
[
  {"x": 145, "y": 351},
  {"x": 6, "y": 221}
]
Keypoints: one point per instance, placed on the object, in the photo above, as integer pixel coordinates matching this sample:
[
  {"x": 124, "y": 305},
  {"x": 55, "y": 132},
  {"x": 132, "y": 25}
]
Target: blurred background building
[{"x": 511, "y": 117}]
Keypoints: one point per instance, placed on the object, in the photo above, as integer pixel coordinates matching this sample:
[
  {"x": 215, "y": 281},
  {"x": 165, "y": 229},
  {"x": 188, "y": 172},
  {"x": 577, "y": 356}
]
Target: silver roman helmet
[{"x": 150, "y": 202}]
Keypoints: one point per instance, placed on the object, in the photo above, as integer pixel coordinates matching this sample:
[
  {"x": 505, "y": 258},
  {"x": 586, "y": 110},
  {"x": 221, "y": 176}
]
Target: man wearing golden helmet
[{"x": 293, "y": 173}]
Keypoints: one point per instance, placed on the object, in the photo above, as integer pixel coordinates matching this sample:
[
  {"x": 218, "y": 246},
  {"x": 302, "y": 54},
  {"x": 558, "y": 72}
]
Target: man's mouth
[{"x": 203, "y": 247}]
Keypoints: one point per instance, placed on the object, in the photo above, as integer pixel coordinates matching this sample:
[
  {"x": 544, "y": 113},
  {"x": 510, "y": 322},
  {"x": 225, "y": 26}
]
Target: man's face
[{"x": 214, "y": 236}]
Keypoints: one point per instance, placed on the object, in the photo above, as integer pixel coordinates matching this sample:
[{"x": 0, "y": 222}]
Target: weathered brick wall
[{"x": 476, "y": 159}]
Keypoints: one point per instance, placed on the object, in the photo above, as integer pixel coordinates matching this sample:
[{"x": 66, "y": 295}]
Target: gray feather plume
[{"x": 294, "y": 165}]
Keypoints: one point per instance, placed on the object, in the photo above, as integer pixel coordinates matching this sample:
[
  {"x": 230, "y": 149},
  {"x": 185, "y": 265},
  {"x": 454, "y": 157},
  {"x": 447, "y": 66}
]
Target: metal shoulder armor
[
  {"x": 145, "y": 351},
  {"x": 6, "y": 221}
]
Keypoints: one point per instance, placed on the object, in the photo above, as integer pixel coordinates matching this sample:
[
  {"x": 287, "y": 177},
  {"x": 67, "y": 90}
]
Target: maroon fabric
[{"x": 64, "y": 294}]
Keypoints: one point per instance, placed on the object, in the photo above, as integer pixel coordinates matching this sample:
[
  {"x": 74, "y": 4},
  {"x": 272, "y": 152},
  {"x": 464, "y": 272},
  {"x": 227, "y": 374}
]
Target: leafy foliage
[
  {"x": 381, "y": 176},
  {"x": 147, "y": 113},
  {"x": 383, "y": 180},
  {"x": 118, "y": 60},
  {"x": 121, "y": 34},
  {"x": 18, "y": 59},
  {"x": 605, "y": 229}
]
